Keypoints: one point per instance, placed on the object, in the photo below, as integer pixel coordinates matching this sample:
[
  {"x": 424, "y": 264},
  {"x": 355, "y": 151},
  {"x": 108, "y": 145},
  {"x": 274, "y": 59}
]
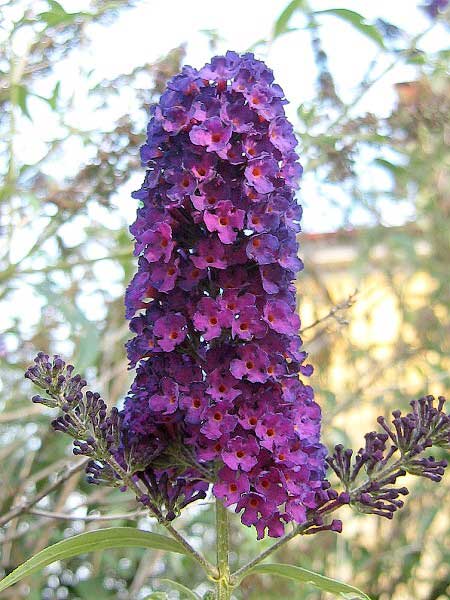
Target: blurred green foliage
[{"x": 69, "y": 294}]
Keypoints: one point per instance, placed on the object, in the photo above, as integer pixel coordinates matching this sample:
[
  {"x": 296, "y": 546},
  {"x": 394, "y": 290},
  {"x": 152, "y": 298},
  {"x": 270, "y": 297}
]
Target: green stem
[
  {"x": 223, "y": 588},
  {"x": 154, "y": 511},
  {"x": 238, "y": 575},
  {"x": 207, "y": 567}
]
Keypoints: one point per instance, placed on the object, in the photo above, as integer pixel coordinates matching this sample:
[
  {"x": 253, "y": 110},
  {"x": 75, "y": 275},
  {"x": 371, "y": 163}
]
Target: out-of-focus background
[{"x": 369, "y": 96}]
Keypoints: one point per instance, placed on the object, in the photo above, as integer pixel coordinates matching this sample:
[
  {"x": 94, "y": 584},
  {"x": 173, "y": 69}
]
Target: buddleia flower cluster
[
  {"x": 388, "y": 455},
  {"x": 100, "y": 434},
  {"x": 220, "y": 398},
  {"x": 83, "y": 415},
  {"x": 213, "y": 305}
]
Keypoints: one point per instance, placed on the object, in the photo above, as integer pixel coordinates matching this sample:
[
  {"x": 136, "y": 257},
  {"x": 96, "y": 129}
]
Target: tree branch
[
  {"x": 348, "y": 303},
  {"x": 24, "y": 507}
]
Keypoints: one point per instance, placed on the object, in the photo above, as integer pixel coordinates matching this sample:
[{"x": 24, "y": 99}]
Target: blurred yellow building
[{"x": 369, "y": 351}]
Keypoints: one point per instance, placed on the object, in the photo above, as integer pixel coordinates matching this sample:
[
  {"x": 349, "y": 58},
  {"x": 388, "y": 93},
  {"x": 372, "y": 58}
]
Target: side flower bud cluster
[
  {"x": 217, "y": 393},
  {"x": 84, "y": 416},
  {"x": 393, "y": 453}
]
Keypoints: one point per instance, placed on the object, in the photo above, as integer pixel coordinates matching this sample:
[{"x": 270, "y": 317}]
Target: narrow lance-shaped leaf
[
  {"x": 102, "y": 539},
  {"x": 22, "y": 100},
  {"x": 326, "y": 584},
  {"x": 358, "y": 22},
  {"x": 282, "y": 23},
  {"x": 57, "y": 15}
]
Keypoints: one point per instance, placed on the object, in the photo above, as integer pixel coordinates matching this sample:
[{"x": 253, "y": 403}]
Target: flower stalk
[{"x": 223, "y": 584}]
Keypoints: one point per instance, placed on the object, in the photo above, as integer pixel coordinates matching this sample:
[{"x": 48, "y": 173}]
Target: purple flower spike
[{"x": 219, "y": 361}]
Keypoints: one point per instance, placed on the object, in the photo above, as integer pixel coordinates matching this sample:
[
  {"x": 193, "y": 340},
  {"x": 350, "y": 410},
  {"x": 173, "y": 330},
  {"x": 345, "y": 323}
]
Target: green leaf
[
  {"x": 102, "y": 539},
  {"x": 52, "y": 101},
  {"x": 181, "y": 588},
  {"x": 417, "y": 58},
  {"x": 57, "y": 15},
  {"x": 56, "y": 6},
  {"x": 307, "y": 114},
  {"x": 22, "y": 97},
  {"x": 281, "y": 24},
  {"x": 326, "y": 584},
  {"x": 358, "y": 22},
  {"x": 394, "y": 169}
]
